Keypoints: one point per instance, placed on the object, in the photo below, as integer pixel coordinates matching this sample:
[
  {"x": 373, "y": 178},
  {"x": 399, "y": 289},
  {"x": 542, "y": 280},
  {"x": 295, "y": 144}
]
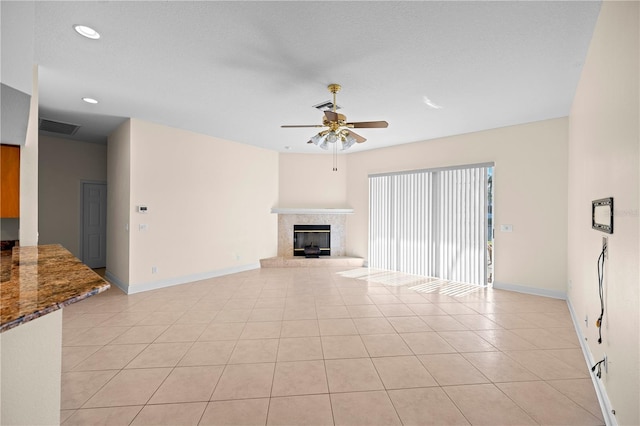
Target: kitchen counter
[
  {"x": 38, "y": 280},
  {"x": 36, "y": 283}
]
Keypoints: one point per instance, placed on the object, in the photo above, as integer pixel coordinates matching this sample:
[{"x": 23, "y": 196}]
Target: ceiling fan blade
[
  {"x": 357, "y": 137},
  {"x": 301, "y": 125},
  {"x": 331, "y": 116},
  {"x": 368, "y": 124}
]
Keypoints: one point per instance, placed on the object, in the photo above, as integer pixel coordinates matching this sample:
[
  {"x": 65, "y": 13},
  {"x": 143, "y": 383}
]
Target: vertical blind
[{"x": 430, "y": 222}]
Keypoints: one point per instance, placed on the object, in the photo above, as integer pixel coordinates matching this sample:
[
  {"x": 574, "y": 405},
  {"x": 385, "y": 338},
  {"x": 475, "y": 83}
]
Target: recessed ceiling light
[
  {"x": 430, "y": 103},
  {"x": 287, "y": 147},
  {"x": 90, "y": 100},
  {"x": 87, "y": 32}
]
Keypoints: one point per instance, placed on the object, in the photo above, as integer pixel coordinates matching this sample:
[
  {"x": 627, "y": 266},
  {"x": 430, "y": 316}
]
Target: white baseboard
[
  {"x": 556, "y": 294},
  {"x": 601, "y": 392},
  {"x": 116, "y": 281},
  {"x": 139, "y": 288}
]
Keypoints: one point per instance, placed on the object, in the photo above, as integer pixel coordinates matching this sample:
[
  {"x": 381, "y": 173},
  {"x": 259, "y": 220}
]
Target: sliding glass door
[{"x": 431, "y": 222}]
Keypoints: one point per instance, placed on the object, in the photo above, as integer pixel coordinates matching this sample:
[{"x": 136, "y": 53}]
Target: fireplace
[{"x": 312, "y": 240}]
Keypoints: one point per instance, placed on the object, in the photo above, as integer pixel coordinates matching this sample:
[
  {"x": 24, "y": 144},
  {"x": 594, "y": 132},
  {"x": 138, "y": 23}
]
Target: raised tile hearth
[{"x": 302, "y": 262}]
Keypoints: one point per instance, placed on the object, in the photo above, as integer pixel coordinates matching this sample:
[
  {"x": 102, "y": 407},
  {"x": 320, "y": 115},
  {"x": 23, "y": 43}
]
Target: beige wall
[
  {"x": 209, "y": 205},
  {"x": 28, "y": 234},
  {"x": 118, "y": 203},
  {"x": 530, "y": 191},
  {"x": 308, "y": 181},
  {"x": 63, "y": 165},
  {"x": 604, "y": 162},
  {"x": 30, "y": 372}
]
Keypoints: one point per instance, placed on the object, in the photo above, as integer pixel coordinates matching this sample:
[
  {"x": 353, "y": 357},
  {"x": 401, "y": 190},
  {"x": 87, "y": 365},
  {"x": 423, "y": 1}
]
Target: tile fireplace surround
[{"x": 285, "y": 231}]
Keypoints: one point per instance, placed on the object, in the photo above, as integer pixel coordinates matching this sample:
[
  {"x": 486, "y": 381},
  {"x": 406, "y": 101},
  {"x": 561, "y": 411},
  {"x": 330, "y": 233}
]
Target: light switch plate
[{"x": 506, "y": 228}]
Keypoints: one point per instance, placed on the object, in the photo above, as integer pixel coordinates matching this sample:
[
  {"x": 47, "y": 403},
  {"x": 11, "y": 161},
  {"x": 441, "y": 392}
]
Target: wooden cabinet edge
[{"x": 10, "y": 181}]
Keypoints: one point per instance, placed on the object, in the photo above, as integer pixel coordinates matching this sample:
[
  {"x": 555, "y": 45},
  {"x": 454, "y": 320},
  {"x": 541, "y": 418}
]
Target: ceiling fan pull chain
[{"x": 335, "y": 155}]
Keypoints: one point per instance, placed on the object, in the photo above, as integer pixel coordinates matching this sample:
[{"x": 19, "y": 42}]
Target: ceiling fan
[{"x": 339, "y": 130}]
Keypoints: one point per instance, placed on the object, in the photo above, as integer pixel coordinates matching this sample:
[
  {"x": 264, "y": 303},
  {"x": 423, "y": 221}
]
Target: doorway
[{"x": 93, "y": 228}]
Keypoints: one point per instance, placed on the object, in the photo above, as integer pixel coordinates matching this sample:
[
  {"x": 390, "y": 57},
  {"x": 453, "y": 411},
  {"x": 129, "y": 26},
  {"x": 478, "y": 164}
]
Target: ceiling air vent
[
  {"x": 58, "y": 127},
  {"x": 326, "y": 106}
]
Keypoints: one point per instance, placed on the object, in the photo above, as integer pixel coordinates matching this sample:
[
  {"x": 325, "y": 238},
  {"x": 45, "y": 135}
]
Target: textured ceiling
[{"x": 238, "y": 70}]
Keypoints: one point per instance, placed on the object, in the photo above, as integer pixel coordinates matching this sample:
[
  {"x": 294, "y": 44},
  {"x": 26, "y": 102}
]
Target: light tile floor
[{"x": 316, "y": 346}]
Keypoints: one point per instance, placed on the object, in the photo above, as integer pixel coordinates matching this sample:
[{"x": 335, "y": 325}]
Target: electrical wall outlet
[
  {"x": 154, "y": 269},
  {"x": 605, "y": 247}
]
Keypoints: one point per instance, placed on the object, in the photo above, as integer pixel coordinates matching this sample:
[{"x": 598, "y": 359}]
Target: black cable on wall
[{"x": 601, "y": 291}]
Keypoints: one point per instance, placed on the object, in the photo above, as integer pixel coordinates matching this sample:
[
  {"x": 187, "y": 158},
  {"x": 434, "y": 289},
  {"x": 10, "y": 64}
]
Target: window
[{"x": 431, "y": 222}]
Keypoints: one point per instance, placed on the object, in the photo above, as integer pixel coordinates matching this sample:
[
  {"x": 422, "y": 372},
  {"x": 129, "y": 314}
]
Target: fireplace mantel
[{"x": 280, "y": 210}]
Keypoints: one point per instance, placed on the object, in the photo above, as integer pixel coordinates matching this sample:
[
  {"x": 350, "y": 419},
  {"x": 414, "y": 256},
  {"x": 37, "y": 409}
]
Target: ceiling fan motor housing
[{"x": 334, "y": 125}]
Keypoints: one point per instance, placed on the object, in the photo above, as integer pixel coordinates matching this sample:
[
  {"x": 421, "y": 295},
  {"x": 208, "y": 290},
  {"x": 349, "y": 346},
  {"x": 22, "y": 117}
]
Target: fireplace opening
[{"x": 312, "y": 240}]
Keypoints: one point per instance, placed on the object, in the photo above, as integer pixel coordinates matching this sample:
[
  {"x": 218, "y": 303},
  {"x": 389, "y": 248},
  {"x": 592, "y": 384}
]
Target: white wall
[
  {"x": 118, "y": 203},
  {"x": 63, "y": 165},
  {"x": 209, "y": 205},
  {"x": 530, "y": 193},
  {"x": 604, "y": 162},
  {"x": 30, "y": 372},
  {"x": 308, "y": 181},
  {"x": 29, "y": 173}
]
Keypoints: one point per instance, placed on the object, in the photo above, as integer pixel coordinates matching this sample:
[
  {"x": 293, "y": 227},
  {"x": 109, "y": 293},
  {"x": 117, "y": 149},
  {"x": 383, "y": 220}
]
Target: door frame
[{"x": 81, "y": 210}]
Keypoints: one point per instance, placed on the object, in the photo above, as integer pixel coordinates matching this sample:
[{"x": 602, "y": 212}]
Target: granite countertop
[{"x": 38, "y": 280}]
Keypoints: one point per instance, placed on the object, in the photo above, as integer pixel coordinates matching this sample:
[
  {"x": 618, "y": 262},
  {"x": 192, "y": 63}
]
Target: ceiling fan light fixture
[
  {"x": 316, "y": 139},
  {"x": 347, "y": 141},
  {"x": 332, "y": 137},
  {"x": 320, "y": 140}
]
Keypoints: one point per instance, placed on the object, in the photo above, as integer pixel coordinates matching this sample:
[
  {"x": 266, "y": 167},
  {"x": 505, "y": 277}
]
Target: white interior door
[{"x": 94, "y": 224}]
